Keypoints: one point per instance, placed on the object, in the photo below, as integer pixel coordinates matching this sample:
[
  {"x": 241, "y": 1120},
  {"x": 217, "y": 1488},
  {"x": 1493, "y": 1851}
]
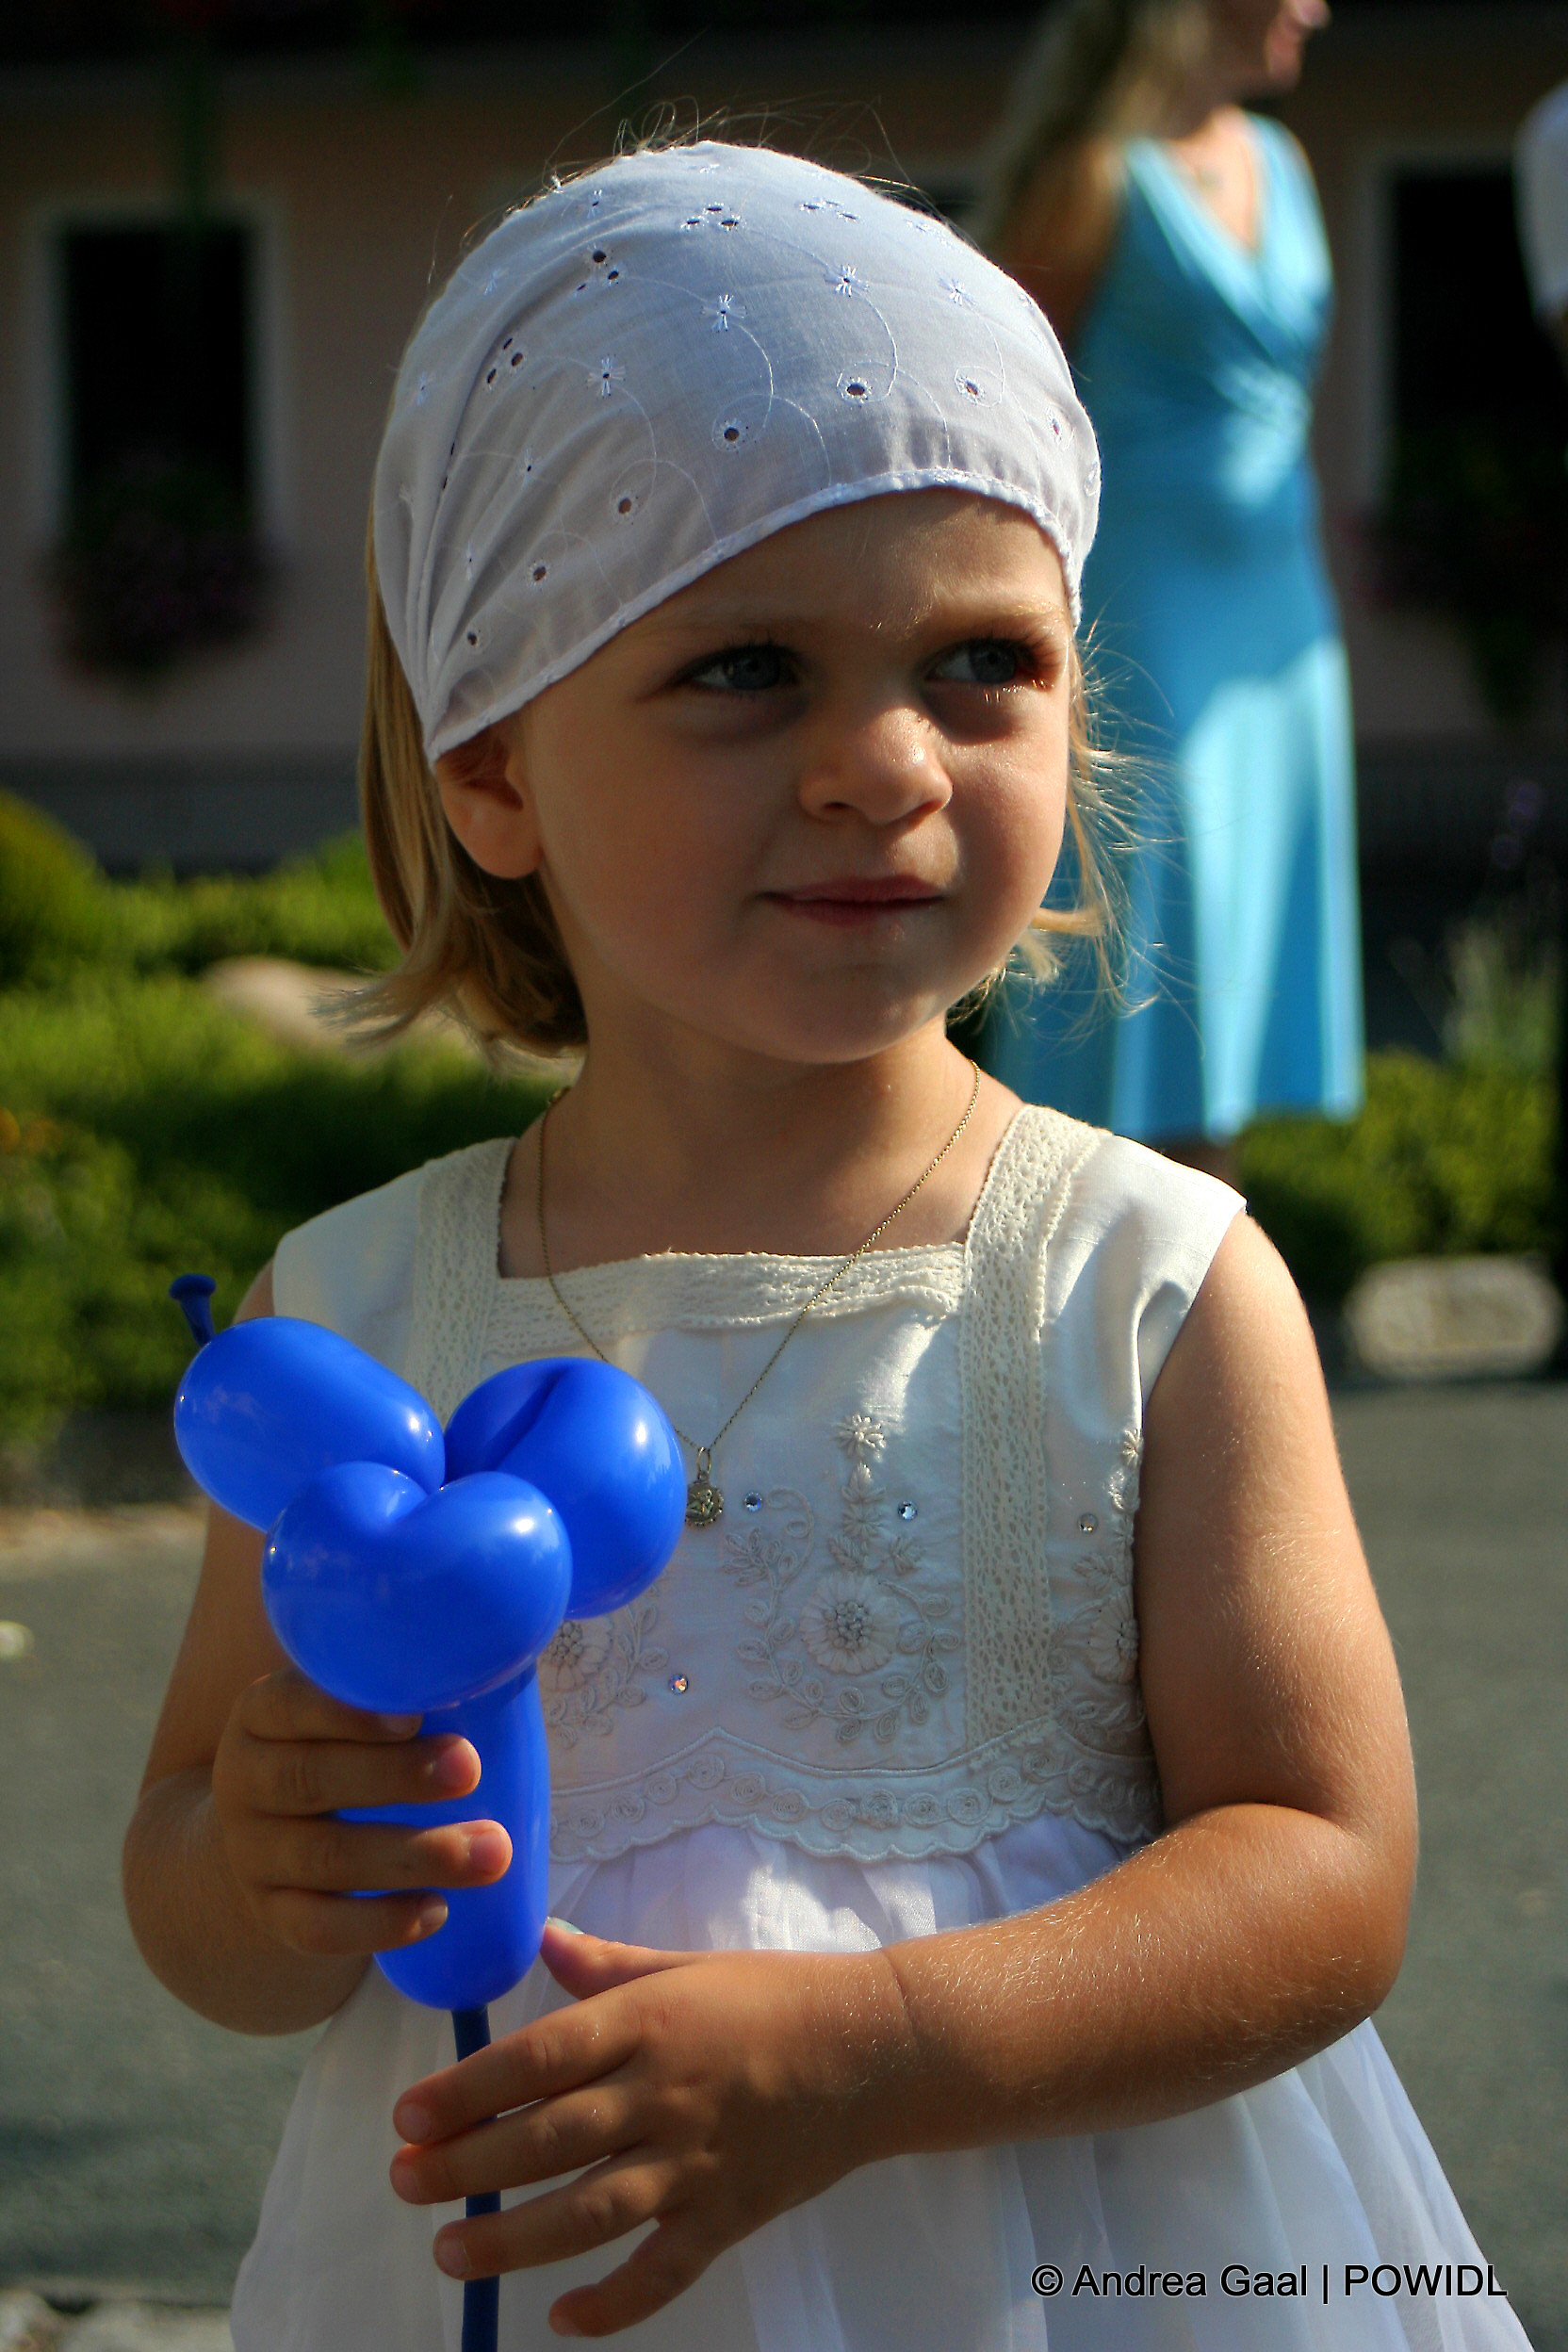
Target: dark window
[
  {"x": 1473, "y": 524},
  {"x": 158, "y": 353},
  {"x": 1467, "y": 349}
]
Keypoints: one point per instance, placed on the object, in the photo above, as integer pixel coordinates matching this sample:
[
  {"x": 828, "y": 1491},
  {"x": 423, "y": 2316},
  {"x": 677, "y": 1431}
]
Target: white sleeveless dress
[{"x": 894, "y": 1691}]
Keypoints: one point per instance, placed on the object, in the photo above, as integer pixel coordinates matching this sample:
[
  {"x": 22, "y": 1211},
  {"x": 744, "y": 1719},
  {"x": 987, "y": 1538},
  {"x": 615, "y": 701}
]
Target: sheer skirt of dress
[{"x": 1326, "y": 2164}]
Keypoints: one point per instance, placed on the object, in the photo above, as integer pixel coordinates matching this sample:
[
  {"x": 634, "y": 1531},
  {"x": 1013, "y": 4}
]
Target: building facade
[{"x": 334, "y": 197}]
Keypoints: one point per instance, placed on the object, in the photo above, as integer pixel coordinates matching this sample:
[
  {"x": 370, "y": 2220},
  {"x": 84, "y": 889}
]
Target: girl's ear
[{"x": 484, "y": 792}]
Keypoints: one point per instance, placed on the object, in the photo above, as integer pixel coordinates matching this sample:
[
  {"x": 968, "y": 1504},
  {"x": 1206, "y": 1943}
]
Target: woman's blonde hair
[{"x": 1100, "y": 72}]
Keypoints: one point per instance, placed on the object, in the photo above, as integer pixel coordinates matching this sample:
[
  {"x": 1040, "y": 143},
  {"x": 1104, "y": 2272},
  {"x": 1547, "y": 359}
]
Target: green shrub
[
  {"x": 1443, "y": 1161},
  {"x": 58, "y": 914},
  {"x": 314, "y": 910},
  {"x": 55, "y": 906},
  {"x": 146, "y": 1130}
]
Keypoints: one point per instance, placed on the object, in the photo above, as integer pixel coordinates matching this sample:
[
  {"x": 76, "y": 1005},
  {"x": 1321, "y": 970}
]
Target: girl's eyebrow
[{"x": 968, "y": 616}]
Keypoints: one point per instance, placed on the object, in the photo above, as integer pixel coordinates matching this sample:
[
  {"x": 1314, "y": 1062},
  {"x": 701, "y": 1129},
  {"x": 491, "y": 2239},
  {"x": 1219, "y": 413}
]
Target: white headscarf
[{"x": 643, "y": 373}]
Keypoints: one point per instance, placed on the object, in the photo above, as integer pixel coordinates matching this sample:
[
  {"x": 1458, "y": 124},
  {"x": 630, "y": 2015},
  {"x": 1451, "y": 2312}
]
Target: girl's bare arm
[
  {"x": 237, "y": 1881},
  {"x": 1270, "y": 1915},
  {"x": 708, "y": 2092}
]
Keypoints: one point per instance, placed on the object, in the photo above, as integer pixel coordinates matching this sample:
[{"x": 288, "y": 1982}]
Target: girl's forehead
[
  {"x": 662, "y": 370},
  {"x": 921, "y": 549}
]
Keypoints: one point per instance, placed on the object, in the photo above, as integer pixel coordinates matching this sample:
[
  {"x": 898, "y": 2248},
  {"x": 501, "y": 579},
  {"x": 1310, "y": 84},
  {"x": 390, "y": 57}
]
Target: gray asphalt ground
[{"x": 135, "y": 2139}]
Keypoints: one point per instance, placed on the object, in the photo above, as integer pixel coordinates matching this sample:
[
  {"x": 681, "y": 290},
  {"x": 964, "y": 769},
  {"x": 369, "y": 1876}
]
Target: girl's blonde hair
[
  {"x": 490, "y": 951},
  {"x": 1100, "y": 72}
]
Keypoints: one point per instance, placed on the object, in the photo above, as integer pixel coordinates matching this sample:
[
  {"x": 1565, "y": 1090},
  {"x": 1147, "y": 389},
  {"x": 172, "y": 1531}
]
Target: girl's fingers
[
  {"x": 330, "y": 1926},
  {"x": 308, "y": 1776},
  {"x": 534, "y": 2143},
  {"x": 569, "y": 2048},
  {"x": 669, "y": 2259},
  {"x": 617, "y": 2196},
  {"x": 285, "y": 1706},
  {"x": 325, "y": 1856}
]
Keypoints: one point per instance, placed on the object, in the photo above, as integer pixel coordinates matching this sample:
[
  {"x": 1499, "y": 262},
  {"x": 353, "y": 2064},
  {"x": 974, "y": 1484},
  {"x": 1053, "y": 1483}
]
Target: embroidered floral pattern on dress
[
  {"x": 867, "y": 1609},
  {"x": 576, "y": 1653},
  {"x": 593, "y": 1668},
  {"x": 848, "y": 1626}
]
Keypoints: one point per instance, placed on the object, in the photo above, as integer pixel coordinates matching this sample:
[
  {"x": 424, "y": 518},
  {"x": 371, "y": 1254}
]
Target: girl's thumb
[{"x": 583, "y": 1965}]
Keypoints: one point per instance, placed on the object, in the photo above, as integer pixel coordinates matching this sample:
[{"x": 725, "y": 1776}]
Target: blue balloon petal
[
  {"x": 398, "y": 1601},
  {"x": 593, "y": 1439},
  {"x": 268, "y": 1405}
]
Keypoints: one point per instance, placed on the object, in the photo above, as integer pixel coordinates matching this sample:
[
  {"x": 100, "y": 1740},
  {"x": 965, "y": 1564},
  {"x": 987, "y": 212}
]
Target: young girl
[{"x": 983, "y": 1844}]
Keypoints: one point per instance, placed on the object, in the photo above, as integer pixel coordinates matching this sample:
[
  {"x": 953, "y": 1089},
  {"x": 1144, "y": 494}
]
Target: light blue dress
[{"x": 1217, "y": 644}]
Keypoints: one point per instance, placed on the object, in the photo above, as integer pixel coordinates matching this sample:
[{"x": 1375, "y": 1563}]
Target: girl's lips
[{"x": 853, "y": 900}]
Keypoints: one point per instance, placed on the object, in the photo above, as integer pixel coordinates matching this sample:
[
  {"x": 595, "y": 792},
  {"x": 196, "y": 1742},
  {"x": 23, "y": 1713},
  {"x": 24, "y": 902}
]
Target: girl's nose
[{"x": 884, "y": 767}]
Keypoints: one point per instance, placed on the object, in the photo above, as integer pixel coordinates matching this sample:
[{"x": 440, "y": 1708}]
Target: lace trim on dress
[
  {"x": 1007, "y": 1612},
  {"x": 456, "y": 1271},
  {"x": 878, "y": 1815}
]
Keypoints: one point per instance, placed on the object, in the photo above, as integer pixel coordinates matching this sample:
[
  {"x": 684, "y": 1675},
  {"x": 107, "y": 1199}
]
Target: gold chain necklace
[{"x": 704, "y": 1500}]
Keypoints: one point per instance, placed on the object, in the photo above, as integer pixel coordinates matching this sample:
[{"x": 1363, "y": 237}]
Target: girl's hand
[
  {"x": 702, "y": 2092},
  {"x": 288, "y": 1758}
]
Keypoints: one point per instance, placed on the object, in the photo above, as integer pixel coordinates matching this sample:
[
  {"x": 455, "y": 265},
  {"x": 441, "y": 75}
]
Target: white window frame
[{"x": 48, "y": 475}]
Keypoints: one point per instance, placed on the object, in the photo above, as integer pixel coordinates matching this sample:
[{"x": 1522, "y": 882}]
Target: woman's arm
[
  {"x": 237, "y": 1881},
  {"x": 711, "y": 2092},
  {"x": 1059, "y": 236}
]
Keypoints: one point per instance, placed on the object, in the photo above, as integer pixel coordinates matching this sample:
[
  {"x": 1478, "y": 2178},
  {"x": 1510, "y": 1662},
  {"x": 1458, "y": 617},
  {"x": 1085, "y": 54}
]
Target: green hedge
[
  {"x": 1444, "y": 1160},
  {"x": 145, "y": 1130},
  {"x": 60, "y": 915}
]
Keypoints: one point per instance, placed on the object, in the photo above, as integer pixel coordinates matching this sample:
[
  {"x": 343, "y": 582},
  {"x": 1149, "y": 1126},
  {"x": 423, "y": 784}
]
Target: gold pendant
[{"x": 704, "y": 1502}]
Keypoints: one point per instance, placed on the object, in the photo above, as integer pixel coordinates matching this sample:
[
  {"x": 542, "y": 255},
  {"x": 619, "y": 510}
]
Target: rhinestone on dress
[
  {"x": 1089, "y": 1524},
  {"x": 680, "y": 1684},
  {"x": 908, "y": 1510},
  {"x": 754, "y": 1502}
]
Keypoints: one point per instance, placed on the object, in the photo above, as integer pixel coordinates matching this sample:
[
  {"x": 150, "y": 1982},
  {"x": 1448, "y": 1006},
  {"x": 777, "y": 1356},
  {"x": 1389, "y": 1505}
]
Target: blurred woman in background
[{"x": 1176, "y": 243}]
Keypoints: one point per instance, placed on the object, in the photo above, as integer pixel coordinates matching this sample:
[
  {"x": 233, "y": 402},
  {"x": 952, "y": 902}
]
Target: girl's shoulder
[
  {"x": 1113, "y": 1239},
  {"x": 355, "y": 1266}
]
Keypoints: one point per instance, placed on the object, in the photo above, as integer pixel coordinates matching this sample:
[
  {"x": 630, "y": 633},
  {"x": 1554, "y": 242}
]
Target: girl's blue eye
[
  {"x": 985, "y": 661},
  {"x": 744, "y": 670}
]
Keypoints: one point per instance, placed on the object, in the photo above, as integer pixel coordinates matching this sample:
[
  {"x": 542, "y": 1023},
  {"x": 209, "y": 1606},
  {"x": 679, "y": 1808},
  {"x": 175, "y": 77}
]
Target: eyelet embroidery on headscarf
[{"x": 780, "y": 381}]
